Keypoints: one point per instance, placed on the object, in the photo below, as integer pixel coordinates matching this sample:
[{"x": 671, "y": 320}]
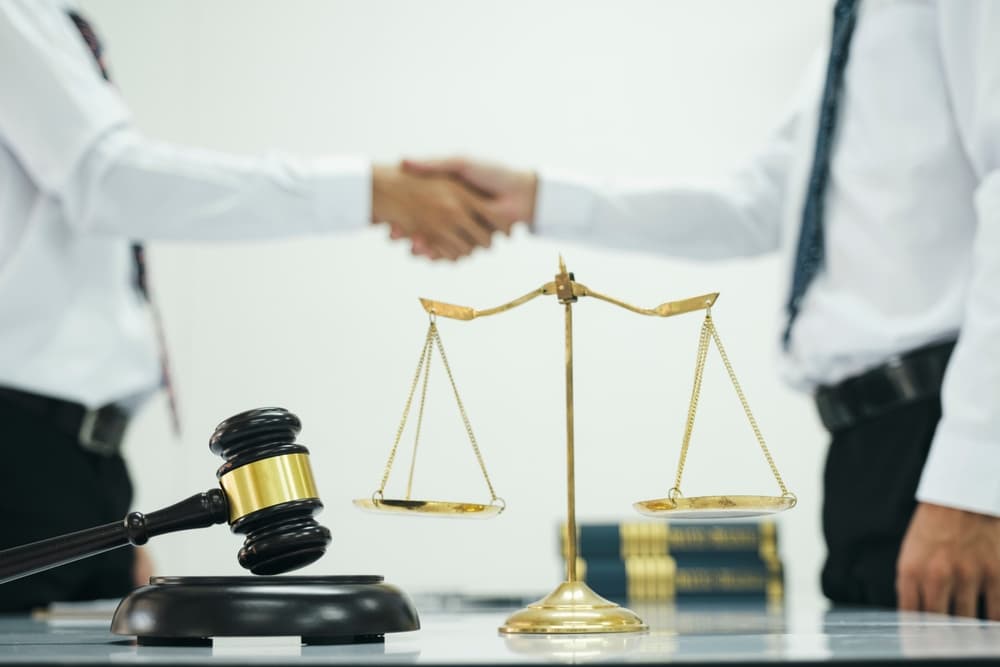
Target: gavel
[{"x": 266, "y": 492}]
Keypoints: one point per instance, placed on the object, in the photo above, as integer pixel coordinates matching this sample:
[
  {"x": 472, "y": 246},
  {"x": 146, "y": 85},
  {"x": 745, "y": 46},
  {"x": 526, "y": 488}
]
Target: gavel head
[{"x": 272, "y": 496}]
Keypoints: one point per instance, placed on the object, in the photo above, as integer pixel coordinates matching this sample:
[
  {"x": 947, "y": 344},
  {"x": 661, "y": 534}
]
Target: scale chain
[
  {"x": 420, "y": 417},
  {"x": 406, "y": 409},
  {"x": 432, "y": 340},
  {"x": 746, "y": 407},
  {"x": 461, "y": 409},
  {"x": 708, "y": 331},
  {"x": 699, "y": 368}
]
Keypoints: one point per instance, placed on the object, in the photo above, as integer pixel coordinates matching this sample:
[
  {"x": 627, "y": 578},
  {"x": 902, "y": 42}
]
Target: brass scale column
[{"x": 573, "y": 607}]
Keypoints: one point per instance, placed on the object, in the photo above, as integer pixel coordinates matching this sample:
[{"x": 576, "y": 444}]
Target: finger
[
  {"x": 499, "y": 215},
  {"x": 452, "y": 165},
  {"x": 466, "y": 237},
  {"x": 478, "y": 226},
  {"x": 991, "y": 597},
  {"x": 440, "y": 251},
  {"x": 423, "y": 249},
  {"x": 484, "y": 226},
  {"x": 441, "y": 238},
  {"x": 965, "y": 598},
  {"x": 908, "y": 594},
  {"x": 935, "y": 593},
  {"x": 396, "y": 232},
  {"x": 449, "y": 244},
  {"x": 453, "y": 241},
  {"x": 420, "y": 246},
  {"x": 457, "y": 232},
  {"x": 488, "y": 216}
]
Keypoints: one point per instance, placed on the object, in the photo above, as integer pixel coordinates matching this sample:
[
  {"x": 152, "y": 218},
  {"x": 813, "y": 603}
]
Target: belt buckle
[{"x": 102, "y": 430}]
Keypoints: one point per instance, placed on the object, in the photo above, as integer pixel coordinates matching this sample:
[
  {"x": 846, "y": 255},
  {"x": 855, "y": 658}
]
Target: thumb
[{"x": 452, "y": 166}]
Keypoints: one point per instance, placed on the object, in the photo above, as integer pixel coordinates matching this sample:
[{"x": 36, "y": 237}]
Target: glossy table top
[{"x": 689, "y": 634}]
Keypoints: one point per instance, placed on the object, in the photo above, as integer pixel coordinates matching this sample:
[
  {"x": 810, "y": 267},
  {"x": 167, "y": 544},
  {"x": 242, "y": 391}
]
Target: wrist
[
  {"x": 380, "y": 188},
  {"x": 531, "y": 197}
]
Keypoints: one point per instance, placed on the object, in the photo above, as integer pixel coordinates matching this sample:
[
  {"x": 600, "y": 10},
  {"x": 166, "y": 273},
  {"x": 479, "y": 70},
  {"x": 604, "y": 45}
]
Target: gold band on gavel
[{"x": 268, "y": 482}]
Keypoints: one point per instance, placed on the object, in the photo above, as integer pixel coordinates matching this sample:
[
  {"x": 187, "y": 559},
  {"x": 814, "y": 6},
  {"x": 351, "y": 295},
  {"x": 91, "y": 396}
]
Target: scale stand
[{"x": 573, "y": 607}]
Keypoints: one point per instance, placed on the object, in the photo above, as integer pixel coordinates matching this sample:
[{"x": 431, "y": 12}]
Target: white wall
[{"x": 331, "y": 328}]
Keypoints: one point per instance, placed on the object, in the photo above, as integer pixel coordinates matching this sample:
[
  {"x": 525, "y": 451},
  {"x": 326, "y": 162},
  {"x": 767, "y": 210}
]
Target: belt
[
  {"x": 99, "y": 430},
  {"x": 903, "y": 379}
]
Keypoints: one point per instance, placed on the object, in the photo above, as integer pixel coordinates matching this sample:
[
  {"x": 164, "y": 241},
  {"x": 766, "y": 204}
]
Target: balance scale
[{"x": 573, "y": 607}]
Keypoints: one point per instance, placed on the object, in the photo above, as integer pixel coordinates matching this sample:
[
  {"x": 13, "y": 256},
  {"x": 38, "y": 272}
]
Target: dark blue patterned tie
[
  {"x": 809, "y": 254},
  {"x": 138, "y": 251}
]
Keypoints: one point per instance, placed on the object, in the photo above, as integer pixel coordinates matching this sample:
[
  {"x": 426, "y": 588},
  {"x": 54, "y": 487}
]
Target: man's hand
[
  {"x": 949, "y": 559},
  {"x": 449, "y": 219},
  {"x": 510, "y": 193}
]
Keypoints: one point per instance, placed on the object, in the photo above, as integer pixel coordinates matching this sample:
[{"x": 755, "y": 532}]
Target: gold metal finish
[
  {"x": 572, "y": 608},
  {"x": 429, "y": 507},
  {"x": 668, "y": 309},
  {"x": 645, "y": 539},
  {"x": 465, "y": 313},
  {"x": 268, "y": 482},
  {"x": 715, "y": 507},
  {"x": 378, "y": 503},
  {"x": 568, "y": 290},
  {"x": 746, "y": 405},
  {"x": 570, "y": 453}
]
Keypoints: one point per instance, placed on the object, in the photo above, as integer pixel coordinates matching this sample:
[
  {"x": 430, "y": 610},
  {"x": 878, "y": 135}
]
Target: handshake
[{"x": 447, "y": 208}]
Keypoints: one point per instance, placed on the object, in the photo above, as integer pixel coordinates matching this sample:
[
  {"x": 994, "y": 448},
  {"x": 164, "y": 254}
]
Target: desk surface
[{"x": 696, "y": 634}]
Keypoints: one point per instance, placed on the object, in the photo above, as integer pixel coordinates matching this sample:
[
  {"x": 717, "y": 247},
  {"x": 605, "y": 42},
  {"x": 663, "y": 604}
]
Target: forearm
[
  {"x": 740, "y": 217},
  {"x": 127, "y": 185},
  {"x": 675, "y": 221}
]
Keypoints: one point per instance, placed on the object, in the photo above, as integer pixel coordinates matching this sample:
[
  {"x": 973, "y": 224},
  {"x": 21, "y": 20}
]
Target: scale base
[
  {"x": 320, "y": 610},
  {"x": 572, "y": 608}
]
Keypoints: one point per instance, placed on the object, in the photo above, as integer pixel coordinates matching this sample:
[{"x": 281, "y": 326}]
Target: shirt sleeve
[
  {"x": 73, "y": 135},
  {"x": 963, "y": 467},
  {"x": 741, "y": 217},
  {"x": 55, "y": 104},
  {"x": 131, "y": 186}
]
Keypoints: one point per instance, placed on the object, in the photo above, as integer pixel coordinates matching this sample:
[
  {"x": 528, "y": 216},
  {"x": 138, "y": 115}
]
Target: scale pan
[
  {"x": 714, "y": 507},
  {"x": 440, "y": 508}
]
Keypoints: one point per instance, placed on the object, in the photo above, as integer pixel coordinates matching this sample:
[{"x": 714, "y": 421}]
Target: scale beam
[{"x": 667, "y": 309}]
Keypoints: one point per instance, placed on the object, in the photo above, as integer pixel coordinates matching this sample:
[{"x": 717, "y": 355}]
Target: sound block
[{"x": 320, "y": 610}]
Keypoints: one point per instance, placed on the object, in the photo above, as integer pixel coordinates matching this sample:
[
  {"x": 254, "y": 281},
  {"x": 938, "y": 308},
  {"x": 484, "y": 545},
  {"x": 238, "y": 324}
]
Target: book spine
[
  {"x": 630, "y": 539},
  {"x": 660, "y": 578}
]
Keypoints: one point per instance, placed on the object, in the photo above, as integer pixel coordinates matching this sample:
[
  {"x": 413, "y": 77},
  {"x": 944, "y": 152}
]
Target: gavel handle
[{"x": 198, "y": 511}]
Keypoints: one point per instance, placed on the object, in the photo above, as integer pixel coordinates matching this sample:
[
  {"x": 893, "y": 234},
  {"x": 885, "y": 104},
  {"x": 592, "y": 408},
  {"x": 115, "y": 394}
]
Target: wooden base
[{"x": 320, "y": 610}]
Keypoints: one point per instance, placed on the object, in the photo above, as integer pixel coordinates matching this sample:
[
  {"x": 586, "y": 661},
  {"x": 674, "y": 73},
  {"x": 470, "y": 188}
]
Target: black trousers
[
  {"x": 870, "y": 480},
  {"x": 50, "y": 486}
]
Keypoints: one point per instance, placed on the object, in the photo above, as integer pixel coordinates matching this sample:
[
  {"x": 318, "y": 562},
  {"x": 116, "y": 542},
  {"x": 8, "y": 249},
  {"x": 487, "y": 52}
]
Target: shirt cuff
[
  {"x": 343, "y": 186},
  {"x": 564, "y": 205},
  {"x": 961, "y": 472}
]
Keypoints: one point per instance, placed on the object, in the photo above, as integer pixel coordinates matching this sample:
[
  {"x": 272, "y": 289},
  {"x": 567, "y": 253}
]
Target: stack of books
[{"x": 656, "y": 562}]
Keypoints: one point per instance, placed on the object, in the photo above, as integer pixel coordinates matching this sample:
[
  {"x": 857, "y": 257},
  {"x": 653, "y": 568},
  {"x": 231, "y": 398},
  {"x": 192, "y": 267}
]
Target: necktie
[
  {"x": 138, "y": 252},
  {"x": 809, "y": 253}
]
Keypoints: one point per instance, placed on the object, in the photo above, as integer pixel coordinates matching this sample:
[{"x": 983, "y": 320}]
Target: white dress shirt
[
  {"x": 78, "y": 183},
  {"x": 912, "y": 223}
]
